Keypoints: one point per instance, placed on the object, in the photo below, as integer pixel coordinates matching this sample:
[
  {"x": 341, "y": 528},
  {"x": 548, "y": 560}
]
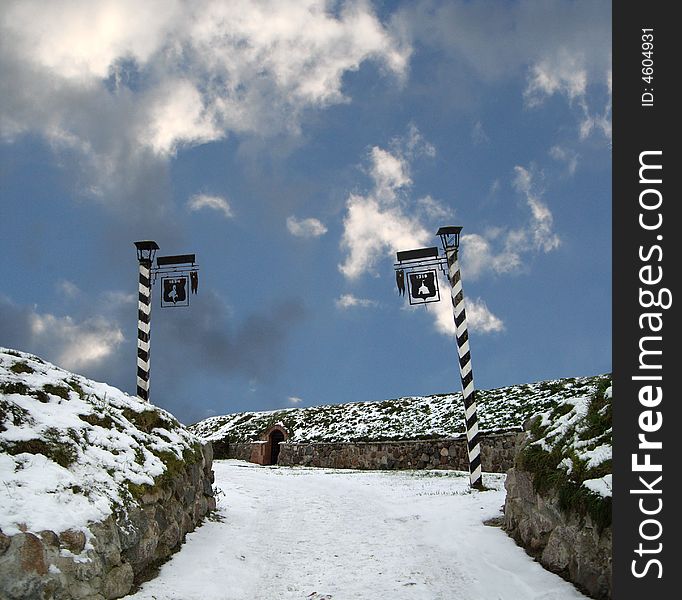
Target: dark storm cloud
[
  {"x": 193, "y": 343},
  {"x": 205, "y": 337}
]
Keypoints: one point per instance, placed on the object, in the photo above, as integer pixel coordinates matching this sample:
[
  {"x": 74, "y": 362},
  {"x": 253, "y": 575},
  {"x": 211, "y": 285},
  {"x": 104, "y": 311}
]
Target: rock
[
  {"x": 117, "y": 582},
  {"x": 73, "y": 540},
  {"x": 24, "y": 569},
  {"x": 5, "y": 541},
  {"x": 563, "y": 542},
  {"x": 49, "y": 538},
  {"x": 556, "y": 555},
  {"x": 32, "y": 554},
  {"x": 207, "y": 451}
]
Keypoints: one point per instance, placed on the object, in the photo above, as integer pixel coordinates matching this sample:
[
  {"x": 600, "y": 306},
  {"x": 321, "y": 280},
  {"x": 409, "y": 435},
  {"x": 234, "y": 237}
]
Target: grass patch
[
  {"x": 62, "y": 391},
  {"x": 61, "y": 452},
  {"x": 14, "y": 387},
  {"x": 549, "y": 475},
  {"x": 76, "y": 387},
  {"x": 104, "y": 421},
  {"x": 21, "y": 367},
  {"x": 9, "y": 410},
  {"x": 147, "y": 420}
]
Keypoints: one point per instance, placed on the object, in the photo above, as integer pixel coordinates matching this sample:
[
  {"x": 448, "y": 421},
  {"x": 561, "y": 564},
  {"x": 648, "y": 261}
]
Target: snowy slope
[
  {"x": 414, "y": 417},
  {"x": 570, "y": 446},
  {"x": 73, "y": 450}
]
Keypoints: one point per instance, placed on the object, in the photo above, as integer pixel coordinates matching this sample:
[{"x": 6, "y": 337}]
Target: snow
[
  {"x": 601, "y": 485},
  {"x": 597, "y": 455},
  {"x": 411, "y": 417},
  {"x": 85, "y": 475},
  {"x": 296, "y": 533}
]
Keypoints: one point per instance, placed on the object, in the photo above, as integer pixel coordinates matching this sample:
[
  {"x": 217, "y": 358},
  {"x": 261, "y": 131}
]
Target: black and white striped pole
[
  {"x": 450, "y": 239},
  {"x": 145, "y": 255}
]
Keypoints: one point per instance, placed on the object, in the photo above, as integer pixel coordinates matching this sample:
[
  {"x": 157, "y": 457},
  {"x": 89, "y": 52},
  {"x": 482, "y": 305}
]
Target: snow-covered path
[{"x": 297, "y": 533}]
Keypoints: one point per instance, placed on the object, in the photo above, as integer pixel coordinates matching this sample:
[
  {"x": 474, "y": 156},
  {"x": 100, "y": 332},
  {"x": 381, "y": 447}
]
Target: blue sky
[{"x": 295, "y": 146}]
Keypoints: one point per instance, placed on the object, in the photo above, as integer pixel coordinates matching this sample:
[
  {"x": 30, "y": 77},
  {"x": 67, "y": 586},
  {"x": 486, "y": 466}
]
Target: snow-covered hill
[
  {"x": 73, "y": 450},
  {"x": 97, "y": 487},
  {"x": 414, "y": 417}
]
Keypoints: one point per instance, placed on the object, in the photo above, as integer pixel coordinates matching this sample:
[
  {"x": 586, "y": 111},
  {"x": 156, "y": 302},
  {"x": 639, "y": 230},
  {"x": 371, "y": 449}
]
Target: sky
[{"x": 295, "y": 146}]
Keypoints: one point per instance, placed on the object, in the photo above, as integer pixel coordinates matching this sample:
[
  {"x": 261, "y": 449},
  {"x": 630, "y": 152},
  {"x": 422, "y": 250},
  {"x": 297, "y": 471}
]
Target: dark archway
[{"x": 276, "y": 436}]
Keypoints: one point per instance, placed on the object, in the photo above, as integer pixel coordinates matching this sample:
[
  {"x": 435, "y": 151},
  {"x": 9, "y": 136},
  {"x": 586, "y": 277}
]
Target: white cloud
[
  {"x": 563, "y": 73},
  {"x": 294, "y": 400},
  {"x": 567, "y": 73},
  {"x": 378, "y": 224},
  {"x": 130, "y": 84},
  {"x": 68, "y": 289},
  {"x": 346, "y": 301},
  {"x": 565, "y": 155},
  {"x": 481, "y": 256},
  {"x": 177, "y": 114},
  {"x": 414, "y": 144},
  {"x": 79, "y": 39},
  {"x": 478, "y": 134},
  {"x": 77, "y": 345},
  {"x": 112, "y": 300},
  {"x": 390, "y": 172},
  {"x": 217, "y": 203},
  {"x": 373, "y": 231},
  {"x": 562, "y": 48},
  {"x": 208, "y": 66},
  {"x": 479, "y": 317},
  {"x": 385, "y": 221},
  {"x": 599, "y": 121},
  {"x": 503, "y": 250},
  {"x": 542, "y": 220},
  {"x": 433, "y": 209},
  {"x": 305, "y": 228}
]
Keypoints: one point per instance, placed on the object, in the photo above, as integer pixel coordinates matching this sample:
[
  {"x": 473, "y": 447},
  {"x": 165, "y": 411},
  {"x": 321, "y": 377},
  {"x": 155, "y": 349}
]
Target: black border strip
[{"x": 644, "y": 123}]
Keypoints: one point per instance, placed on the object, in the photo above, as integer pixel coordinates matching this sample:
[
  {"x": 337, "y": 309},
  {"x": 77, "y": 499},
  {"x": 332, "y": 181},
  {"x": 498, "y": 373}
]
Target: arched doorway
[
  {"x": 266, "y": 449},
  {"x": 276, "y": 436}
]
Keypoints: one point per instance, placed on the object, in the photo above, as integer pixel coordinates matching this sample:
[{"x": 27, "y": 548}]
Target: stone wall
[
  {"x": 236, "y": 450},
  {"x": 120, "y": 550},
  {"x": 563, "y": 542},
  {"x": 497, "y": 453}
]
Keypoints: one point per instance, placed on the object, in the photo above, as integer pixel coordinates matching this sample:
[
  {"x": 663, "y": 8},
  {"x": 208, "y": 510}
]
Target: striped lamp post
[
  {"x": 145, "y": 255},
  {"x": 450, "y": 239}
]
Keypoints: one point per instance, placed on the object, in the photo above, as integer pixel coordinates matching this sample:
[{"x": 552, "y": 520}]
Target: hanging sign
[
  {"x": 174, "y": 291},
  {"x": 423, "y": 286}
]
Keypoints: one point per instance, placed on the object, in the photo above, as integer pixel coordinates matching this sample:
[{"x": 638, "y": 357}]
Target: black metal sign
[
  {"x": 417, "y": 273},
  {"x": 175, "y": 291},
  {"x": 423, "y": 286}
]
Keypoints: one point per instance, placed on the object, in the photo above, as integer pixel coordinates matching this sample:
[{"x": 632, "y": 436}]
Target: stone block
[{"x": 73, "y": 540}]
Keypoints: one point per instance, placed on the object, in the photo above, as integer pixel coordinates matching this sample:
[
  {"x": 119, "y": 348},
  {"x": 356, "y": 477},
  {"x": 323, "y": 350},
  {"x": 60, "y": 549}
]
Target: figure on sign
[
  {"x": 194, "y": 281},
  {"x": 400, "y": 280},
  {"x": 174, "y": 291},
  {"x": 423, "y": 285}
]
